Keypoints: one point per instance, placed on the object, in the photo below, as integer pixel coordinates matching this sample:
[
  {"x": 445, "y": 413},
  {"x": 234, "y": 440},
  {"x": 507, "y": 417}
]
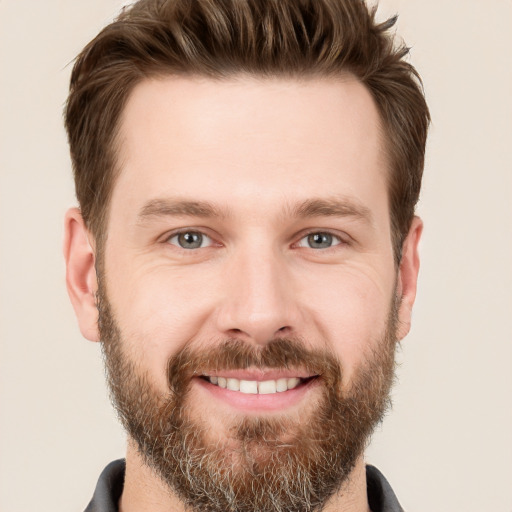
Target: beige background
[{"x": 447, "y": 446}]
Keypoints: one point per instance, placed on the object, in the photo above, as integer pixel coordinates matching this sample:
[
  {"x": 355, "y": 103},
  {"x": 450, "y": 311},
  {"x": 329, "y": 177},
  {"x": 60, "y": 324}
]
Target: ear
[
  {"x": 81, "y": 278},
  {"x": 408, "y": 277}
]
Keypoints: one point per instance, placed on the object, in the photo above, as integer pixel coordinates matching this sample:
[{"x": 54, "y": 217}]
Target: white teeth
[
  {"x": 253, "y": 387},
  {"x": 267, "y": 387},
  {"x": 233, "y": 384},
  {"x": 281, "y": 385},
  {"x": 249, "y": 387},
  {"x": 293, "y": 382}
]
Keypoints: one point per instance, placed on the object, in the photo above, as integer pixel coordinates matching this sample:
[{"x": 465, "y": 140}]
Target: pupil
[
  {"x": 190, "y": 240},
  {"x": 320, "y": 240}
]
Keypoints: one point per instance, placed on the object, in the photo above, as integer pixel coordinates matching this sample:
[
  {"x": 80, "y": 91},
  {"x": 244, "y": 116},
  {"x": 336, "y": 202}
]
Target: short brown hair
[{"x": 220, "y": 38}]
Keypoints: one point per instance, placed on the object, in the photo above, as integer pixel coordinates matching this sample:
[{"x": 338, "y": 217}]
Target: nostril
[{"x": 283, "y": 331}]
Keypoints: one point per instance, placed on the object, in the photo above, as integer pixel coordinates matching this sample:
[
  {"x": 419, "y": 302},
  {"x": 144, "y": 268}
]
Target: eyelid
[
  {"x": 341, "y": 238},
  {"x": 173, "y": 234}
]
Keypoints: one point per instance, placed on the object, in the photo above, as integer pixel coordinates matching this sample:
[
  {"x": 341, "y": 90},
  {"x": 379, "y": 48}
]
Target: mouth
[
  {"x": 258, "y": 387},
  {"x": 258, "y": 392}
]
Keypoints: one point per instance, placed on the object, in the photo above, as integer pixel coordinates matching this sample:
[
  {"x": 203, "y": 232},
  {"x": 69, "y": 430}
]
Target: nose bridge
[{"x": 258, "y": 303}]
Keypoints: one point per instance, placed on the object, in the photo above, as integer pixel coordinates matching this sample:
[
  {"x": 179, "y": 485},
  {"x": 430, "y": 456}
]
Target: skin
[{"x": 256, "y": 151}]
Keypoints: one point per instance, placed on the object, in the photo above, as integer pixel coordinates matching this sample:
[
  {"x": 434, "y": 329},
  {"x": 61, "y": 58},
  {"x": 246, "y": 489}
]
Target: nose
[{"x": 258, "y": 303}]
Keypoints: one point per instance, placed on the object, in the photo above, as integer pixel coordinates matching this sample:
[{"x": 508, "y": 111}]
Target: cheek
[
  {"x": 351, "y": 313},
  {"x": 159, "y": 310}
]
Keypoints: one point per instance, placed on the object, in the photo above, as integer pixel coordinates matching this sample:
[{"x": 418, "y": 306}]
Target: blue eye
[
  {"x": 190, "y": 240},
  {"x": 319, "y": 240}
]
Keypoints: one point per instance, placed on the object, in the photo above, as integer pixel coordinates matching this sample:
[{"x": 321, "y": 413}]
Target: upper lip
[{"x": 259, "y": 375}]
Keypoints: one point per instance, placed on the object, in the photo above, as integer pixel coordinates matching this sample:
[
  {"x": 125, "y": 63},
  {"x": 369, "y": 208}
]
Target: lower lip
[{"x": 258, "y": 402}]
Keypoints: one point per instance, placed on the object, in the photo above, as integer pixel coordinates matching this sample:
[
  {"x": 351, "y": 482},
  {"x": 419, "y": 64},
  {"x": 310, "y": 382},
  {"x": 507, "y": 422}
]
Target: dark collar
[
  {"x": 109, "y": 488},
  {"x": 381, "y": 497}
]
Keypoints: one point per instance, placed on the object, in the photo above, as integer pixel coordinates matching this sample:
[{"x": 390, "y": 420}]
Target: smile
[
  {"x": 254, "y": 387},
  {"x": 258, "y": 391}
]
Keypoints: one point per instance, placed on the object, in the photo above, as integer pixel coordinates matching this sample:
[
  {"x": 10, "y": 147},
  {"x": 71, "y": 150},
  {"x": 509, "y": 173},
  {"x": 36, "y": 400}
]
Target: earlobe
[
  {"x": 408, "y": 277},
  {"x": 81, "y": 278}
]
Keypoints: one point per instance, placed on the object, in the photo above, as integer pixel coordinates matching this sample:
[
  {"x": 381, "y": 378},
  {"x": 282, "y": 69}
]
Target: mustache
[{"x": 235, "y": 354}]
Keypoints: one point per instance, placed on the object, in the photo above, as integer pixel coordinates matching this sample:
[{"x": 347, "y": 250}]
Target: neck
[{"x": 144, "y": 490}]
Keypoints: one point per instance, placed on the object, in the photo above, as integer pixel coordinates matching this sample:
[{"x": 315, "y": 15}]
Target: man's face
[{"x": 249, "y": 246}]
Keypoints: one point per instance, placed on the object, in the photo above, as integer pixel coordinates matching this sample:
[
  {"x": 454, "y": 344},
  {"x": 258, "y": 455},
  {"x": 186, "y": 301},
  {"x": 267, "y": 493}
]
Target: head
[
  {"x": 219, "y": 40},
  {"x": 247, "y": 174}
]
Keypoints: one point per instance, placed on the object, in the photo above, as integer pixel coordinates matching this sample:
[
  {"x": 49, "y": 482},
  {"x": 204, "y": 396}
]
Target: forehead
[{"x": 193, "y": 136}]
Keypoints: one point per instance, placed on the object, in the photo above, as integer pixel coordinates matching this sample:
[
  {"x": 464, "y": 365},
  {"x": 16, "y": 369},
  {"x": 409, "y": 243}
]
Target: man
[{"x": 245, "y": 247}]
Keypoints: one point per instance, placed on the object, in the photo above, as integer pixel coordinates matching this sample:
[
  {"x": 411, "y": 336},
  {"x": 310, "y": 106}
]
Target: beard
[{"x": 259, "y": 464}]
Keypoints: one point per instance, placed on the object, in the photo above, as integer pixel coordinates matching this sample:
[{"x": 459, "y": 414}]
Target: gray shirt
[{"x": 381, "y": 497}]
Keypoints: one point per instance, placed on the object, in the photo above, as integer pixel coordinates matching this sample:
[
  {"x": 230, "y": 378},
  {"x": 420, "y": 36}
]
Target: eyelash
[
  {"x": 335, "y": 238},
  {"x": 340, "y": 240},
  {"x": 189, "y": 231}
]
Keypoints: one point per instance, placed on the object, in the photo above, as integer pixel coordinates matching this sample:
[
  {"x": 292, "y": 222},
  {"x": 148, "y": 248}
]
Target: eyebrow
[
  {"x": 332, "y": 207},
  {"x": 316, "y": 207},
  {"x": 179, "y": 208}
]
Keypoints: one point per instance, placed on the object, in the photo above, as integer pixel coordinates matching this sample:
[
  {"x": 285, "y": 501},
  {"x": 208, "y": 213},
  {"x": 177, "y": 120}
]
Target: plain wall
[{"x": 447, "y": 445}]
